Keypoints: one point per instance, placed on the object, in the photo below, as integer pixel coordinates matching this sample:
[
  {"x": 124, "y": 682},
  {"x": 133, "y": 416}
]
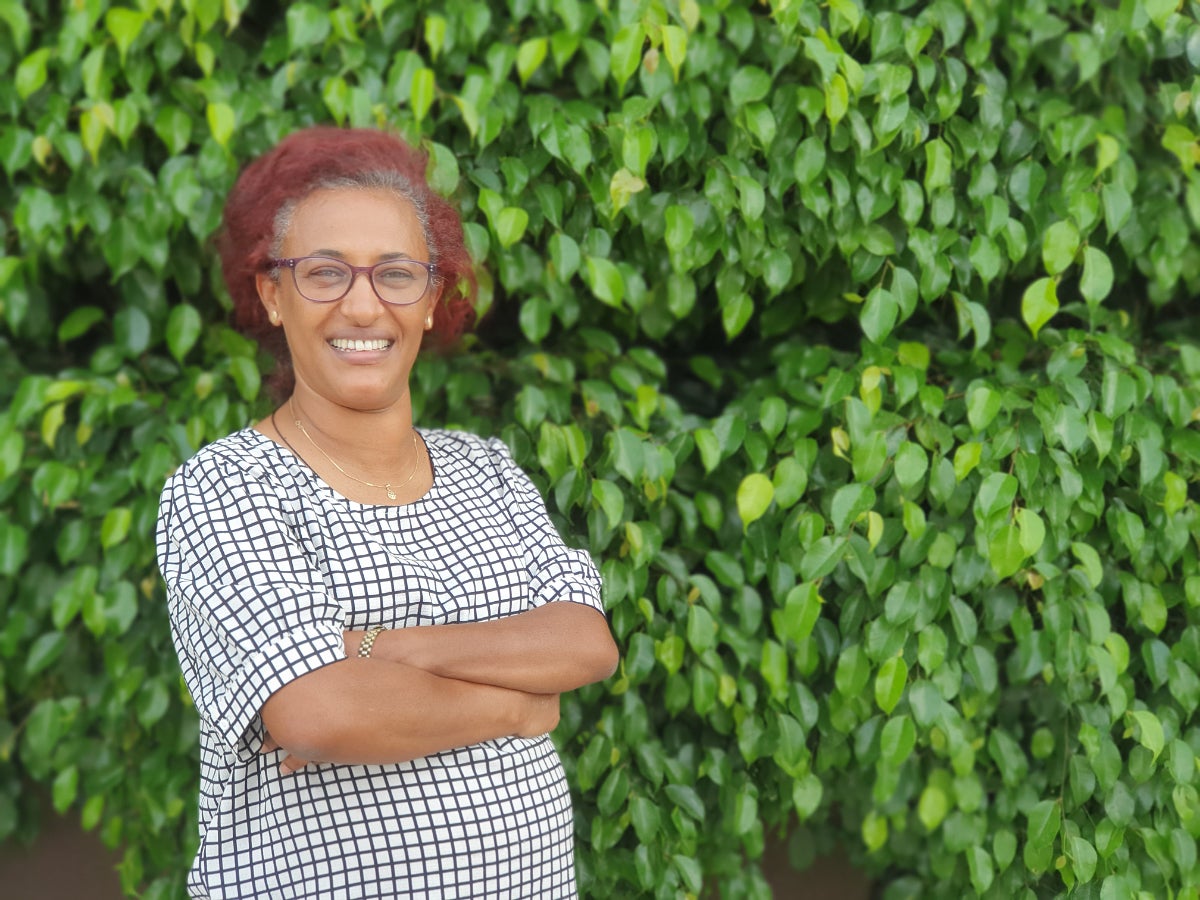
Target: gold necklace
[{"x": 387, "y": 486}]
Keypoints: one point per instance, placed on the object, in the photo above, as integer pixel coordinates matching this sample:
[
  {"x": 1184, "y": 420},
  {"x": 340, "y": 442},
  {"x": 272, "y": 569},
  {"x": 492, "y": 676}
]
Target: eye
[
  {"x": 322, "y": 271},
  {"x": 396, "y": 275},
  {"x": 326, "y": 272}
]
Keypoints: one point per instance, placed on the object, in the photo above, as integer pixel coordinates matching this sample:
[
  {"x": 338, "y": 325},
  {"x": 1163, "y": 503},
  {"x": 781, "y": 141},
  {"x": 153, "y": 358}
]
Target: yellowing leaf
[{"x": 754, "y": 496}]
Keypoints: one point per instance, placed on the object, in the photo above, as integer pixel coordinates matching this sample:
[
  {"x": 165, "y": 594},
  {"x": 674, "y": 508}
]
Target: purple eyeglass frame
[{"x": 355, "y": 271}]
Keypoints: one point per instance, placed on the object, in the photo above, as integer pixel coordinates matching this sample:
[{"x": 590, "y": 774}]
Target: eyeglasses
[{"x": 400, "y": 282}]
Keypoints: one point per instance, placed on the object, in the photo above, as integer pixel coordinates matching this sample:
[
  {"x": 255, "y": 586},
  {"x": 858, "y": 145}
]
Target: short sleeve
[
  {"x": 249, "y": 610},
  {"x": 557, "y": 572}
]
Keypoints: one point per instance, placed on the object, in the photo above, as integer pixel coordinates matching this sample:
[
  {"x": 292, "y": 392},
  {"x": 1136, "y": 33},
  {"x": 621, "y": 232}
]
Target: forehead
[{"x": 354, "y": 219}]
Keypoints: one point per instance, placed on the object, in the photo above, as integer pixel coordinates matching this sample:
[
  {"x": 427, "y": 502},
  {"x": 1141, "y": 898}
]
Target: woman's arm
[
  {"x": 551, "y": 649},
  {"x": 376, "y": 711}
]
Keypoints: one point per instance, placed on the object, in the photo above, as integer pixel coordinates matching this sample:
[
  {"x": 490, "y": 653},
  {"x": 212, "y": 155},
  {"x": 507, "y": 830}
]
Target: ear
[
  {"x": 268, "y": 295},
  {"x": 432, "y": 303}
]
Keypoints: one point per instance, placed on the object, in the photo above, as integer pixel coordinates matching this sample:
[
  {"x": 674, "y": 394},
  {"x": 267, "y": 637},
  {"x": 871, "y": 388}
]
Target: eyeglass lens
[{"x": 399, "y": 281}]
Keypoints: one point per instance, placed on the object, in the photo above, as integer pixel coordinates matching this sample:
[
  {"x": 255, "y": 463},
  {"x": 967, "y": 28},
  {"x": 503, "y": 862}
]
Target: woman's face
[{"x": 362, "y": 228}]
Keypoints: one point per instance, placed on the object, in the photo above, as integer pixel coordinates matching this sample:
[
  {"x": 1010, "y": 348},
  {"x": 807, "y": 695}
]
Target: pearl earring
[
  {"x": 428, "y": 322},
  {"x": 274, "y": 316}
]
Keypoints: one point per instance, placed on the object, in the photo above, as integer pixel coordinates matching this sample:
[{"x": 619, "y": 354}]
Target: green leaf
[
  {"x": 31, "y": 73},
  {"x": 837, "y": 99},
  {"x": 932, "y": 806},
  {"x": 911, "y": 464},
  {"x": 94, "y": 123},
  {"x": 1083, "y": 858},
  {"x": 14, "y": 547},
  {"x": 307, "y": 25},
  {"x": 1005, "y": 552},
  {"x": 897, "y": 741},
  {"x": 152, "y": 703},
  {"x": 1097, "y": 280},
  {"x": 701, "y": 628},
  {"x": 983, "y": 403},
  {"x": 65, "y": 789},
  {"x": 1149, "y": 731},
  {"x": 221, "y": 121},
  {"x": 979, "y": 864},
  {"x": 879, "y": 314},
  {"x": 675, "y": 42},
  {"x": 1039, "y": 303},
  {"x": 1044, "y": 820},
  {"x": 183, "y": 329},
  {"x": 625, "y": 54},
  {"x": 1118, "y": 206},
  {"x": 12, "y": 450},
  {"x": 853, "y": 671},
  {"x": 772, "y": 416},
  {"x": 646, "y": 818},
  {"x": 530, "y": 55},
  {"x": 680, "y": 227},
  {"x": 245, "y": 376},
  {"x": 510, "y": 224},
  {"x": 801, "y": 610},
  {"x": 1091, "y": 562},
  {"x": 747, "y": 85},
  {"x": 44, "y": 652},
  {"x": 806, "y": 796},
  {"x": 686, "y": 799},
  {"x": 736, "y": 313},
  {"x": 115, "y": 526},
  {"x": 849, "y": 502},
  {"x": 174, "y": 128},
  {"x": 809, "y": 161},
  {"x": 611, "y": 499},
  {"x": 1031, "y": 530},
  {"x": 890, "y": 683},
  {"x": 124, "y": 25},
  {"x": 1060, "y": 243},
  {"x": 939, "y": 165},
  {"x": 754, "y": 496},
  {"x": 605, "y": 280},
  {"x": 565, "y": 255},
  {"x": 421, "y": 93}
]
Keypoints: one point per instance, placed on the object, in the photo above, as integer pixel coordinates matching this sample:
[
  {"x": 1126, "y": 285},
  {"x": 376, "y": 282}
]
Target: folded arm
[
  {"x": 376, "y": 711},
  {"x": 548, "y": 650}
]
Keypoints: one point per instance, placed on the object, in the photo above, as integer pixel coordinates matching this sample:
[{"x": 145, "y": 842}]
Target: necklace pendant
[{"x": 391, "y": 494}]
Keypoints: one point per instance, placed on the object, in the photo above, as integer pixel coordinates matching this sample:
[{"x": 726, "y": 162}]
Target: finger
[
  {"x": 269, "y": 744},
  {"x": 291, "y": 764}
]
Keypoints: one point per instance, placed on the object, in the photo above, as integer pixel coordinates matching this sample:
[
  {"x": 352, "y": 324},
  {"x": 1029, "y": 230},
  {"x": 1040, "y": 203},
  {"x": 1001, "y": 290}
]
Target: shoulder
[
  {"x": 239, "y": 458},
  {"x": 466, "y": 459},
  {"x": 468, "y": 448}
]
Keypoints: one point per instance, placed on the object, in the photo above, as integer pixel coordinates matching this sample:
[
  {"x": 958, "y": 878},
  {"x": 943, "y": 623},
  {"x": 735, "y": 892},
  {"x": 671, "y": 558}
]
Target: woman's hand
[
  {"x": 290, "y": 763},
  {"x": 548, "y": 650}
]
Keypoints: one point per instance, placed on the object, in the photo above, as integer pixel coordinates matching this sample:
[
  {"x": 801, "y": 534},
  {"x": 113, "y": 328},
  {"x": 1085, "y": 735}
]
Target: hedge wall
[{"x": 853, "y": 338}]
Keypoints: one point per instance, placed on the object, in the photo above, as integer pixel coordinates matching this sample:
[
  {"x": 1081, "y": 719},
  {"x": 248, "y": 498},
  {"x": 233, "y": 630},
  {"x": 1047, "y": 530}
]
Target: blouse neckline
[{"x": 287, "y": 455}]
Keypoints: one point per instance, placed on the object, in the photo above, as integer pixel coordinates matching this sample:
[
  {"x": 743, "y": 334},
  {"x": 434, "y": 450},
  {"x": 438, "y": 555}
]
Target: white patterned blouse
[{"x": 265, "y": 566}]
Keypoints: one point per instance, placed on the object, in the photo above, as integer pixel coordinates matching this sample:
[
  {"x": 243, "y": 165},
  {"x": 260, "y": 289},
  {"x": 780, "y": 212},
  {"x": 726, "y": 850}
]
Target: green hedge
[{"x": 854, "y": 339}]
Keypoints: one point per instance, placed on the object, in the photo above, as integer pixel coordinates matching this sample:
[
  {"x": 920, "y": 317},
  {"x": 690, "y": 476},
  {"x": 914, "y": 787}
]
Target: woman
[{"x": 375, "y": 622}]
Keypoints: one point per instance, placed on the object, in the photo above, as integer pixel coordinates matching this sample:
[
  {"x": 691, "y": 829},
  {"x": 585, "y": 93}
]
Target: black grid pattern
[{"x": 265, "y": 565}]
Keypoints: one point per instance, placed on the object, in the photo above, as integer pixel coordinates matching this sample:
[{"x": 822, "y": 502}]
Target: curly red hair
[{"x": 302, "y": 162}]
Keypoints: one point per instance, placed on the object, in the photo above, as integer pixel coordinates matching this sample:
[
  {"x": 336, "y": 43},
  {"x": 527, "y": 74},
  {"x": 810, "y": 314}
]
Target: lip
[{"x": 361, "y": 350}]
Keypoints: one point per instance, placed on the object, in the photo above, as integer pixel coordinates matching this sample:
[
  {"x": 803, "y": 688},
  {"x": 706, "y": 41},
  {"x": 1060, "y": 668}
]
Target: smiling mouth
[{"x": 359, "y": 346}]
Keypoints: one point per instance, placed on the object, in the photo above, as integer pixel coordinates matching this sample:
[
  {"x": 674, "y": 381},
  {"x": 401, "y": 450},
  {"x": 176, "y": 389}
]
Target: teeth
[{"x": 343, "y": 344}]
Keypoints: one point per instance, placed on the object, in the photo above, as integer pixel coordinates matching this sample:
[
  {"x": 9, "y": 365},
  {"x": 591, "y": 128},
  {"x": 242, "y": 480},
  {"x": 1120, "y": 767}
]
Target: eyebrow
[{"x": 383, "y": 257}]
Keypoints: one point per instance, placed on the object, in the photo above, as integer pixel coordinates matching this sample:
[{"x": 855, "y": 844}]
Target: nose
[{"x": 360, "y": 304}]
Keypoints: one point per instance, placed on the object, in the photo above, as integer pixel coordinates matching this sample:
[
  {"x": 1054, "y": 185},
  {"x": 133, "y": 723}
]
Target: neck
[{"x": 375, "y": 442}]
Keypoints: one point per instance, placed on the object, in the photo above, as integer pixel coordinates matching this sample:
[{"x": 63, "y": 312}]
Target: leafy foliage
[{"x": 855, "y": 341}]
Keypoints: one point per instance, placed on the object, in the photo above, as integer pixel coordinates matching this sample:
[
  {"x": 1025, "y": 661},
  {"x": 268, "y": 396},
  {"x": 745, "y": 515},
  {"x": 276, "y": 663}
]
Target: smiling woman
[{"x": 374, "y": 621}]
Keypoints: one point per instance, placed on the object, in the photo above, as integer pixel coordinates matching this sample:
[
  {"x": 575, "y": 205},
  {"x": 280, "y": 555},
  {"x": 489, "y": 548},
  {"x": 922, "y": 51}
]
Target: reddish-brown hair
[{"x": 283, "y": 176}]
